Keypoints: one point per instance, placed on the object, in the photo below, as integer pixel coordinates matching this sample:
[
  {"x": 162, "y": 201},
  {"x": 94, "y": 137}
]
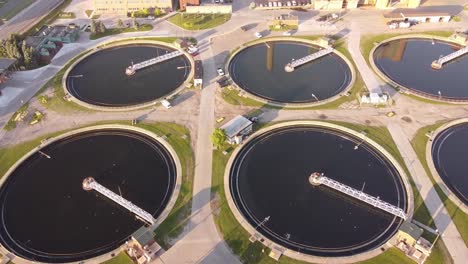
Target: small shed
[
  {"x": 237, "y": 128},
  {"x": 409, "y": 233}
]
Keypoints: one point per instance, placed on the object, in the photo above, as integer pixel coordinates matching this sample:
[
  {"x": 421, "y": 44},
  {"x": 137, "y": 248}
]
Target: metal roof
[{"x": 236, "y": 125}]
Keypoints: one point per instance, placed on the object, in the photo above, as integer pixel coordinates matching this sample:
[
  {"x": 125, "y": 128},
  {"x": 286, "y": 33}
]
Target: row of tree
[
  {"x": 97, "y": 26},
  {"x": 15, "y": 48},
  {"x": 135, "y": 25}
]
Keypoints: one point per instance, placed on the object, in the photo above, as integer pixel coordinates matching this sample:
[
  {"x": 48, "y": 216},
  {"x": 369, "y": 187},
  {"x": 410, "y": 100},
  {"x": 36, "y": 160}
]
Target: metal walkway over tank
[
  {"x": 318, "y": 179},
  {"x": 91, "y": 184},
  {"x": 437, "y": 64},
  {"x": 296, "y": 63},
  {"x": 135, "y": 67}
]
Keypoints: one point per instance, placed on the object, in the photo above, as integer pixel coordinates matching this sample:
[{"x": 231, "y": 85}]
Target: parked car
[
  {"x": 287, "y": 33},
  {"x": 220, "y": 72},
  {"x": 258, "y": 34},
  {"x": 192, "y": 49}
]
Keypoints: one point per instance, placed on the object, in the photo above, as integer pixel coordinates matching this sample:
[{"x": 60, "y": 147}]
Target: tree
[
  {"x": 30, "y": 58},
  {"x": 93, "y": 26},
  {"x": 157, "y": 12},
  {"x": 120, "y": 23},
  {"x": 218, "y": 137},
  {"x": 100, "y": 27},
  {"x": 135, "y": 24}
]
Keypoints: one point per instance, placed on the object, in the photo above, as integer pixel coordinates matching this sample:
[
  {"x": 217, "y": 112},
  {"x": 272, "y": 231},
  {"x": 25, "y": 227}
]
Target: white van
[{"x": 166, "y": 104}]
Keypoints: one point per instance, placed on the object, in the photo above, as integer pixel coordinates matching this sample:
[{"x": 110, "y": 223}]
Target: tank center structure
[
  {"x": 290, "y": 72},
  {"x": 137, "y": 75},
  {"x": 108, "y": 181},
  {"x": 325, "y": 193}
]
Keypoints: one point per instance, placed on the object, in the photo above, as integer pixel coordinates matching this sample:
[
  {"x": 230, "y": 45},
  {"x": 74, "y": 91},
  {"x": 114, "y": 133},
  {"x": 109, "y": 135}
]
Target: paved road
[
  {"x": 202, "y": 244},
  {"x": 450, "y": 234},
  {"x": 28, "y": 17}
]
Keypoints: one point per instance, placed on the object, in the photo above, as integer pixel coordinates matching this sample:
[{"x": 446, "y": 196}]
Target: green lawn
[
  {"x": 20, "y": 5},
  {"x": 11, "y": 124},
  {"x": 179, "y": 138},
  {"x": 237, "y": 238},
  {"x": 121, "y": 258},
  {"x": 115, "y": 31},
  {"x": 459, "y": 217},
  {"x": 199, "y": 21}
]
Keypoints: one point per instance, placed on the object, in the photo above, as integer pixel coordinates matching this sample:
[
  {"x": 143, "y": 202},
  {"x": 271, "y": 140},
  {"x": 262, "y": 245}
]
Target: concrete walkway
[
  {"x": 354, "y": 41},
  {"x": 202, "y": 243},
  {"x": 450, "y": 234}
]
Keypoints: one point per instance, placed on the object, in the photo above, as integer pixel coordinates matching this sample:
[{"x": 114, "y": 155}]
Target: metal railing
[
  {"x": 156, "y": 60},
  {"x": 440, "y": 62},
  {"x": 90, "y": 183},
  {"x": 311, "y": 57},
  {"x": 317, "y": 179}
]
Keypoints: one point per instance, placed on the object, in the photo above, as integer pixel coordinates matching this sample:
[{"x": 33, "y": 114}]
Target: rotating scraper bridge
[
  {"x": 437, "y": 64},
  {"x": 91, "y": 184},
  {"x": 319, "y": 179},
  {"x": 130, "y": 70}
]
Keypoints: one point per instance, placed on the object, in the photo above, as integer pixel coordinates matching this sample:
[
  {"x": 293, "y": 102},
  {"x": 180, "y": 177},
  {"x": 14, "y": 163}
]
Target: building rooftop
[
  {"x": 5, "y": 63},
  {"x": 143, "y": 236},
  {"x": 411, "y": 229},
  {"x": 428, "y": 11},
  {"x": 236, "y": 125}
]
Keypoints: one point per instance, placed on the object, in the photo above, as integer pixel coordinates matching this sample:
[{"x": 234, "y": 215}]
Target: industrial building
[
  {"x": 334, "y": 4},
  {"x": 49, "y": 39},
  {"x": 126, "y": 7},
  {"x": 184, "y": 3}
]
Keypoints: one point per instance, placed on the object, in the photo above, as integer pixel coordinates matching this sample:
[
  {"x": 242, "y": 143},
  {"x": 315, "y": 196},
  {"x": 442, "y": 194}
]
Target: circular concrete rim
[
  {"x": 405, "y": 89},
  {"x": 307, "y": 257},
  {"x": 292, "y": 105},
  {"x": 117, "y": 43},
  {"x": 164, "y": 214},
  {"x": 430, "y": 162}
]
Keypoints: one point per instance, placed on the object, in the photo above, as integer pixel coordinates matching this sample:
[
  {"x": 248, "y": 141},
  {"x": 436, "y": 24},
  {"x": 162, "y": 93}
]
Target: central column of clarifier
[{"x": 314, "y": 179}]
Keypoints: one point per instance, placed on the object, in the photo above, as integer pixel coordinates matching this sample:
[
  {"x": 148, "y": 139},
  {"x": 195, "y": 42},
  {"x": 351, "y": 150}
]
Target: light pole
[
  {"x": 316, "y": 98},
  {"x": 362, "y": 141}
]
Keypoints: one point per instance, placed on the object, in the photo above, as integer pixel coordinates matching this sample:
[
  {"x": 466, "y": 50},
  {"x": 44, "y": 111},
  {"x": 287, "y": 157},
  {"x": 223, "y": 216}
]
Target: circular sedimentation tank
[
  {"x": 272, "y": 189},
  {"x": 47, "y": 216},
  {"x": 407, "y": 63},
  {"x": 100, "y": 79},
  {"x": 449, "y": 152},
  {"x": 262, "y": 70}
]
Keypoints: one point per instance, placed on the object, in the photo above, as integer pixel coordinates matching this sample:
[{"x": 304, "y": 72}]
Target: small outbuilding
[
  {"x": 198, "y": 74},
  {"x": 419, "y": 15},
  {"x": 142, "y": 247},
  {"x": 237, "y": 128}
]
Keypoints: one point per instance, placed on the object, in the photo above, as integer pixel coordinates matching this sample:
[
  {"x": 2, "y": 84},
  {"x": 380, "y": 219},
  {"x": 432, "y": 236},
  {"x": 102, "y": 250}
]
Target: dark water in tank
[
  {"x": 450, "y": 156},
  {"x": 260, "y": 70},
  {"x": 270, "y": 178},
  {"x": 105, "y": 83},
  {"x": 408, "y": 63},
  {"x": 47, "y": 216}
]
